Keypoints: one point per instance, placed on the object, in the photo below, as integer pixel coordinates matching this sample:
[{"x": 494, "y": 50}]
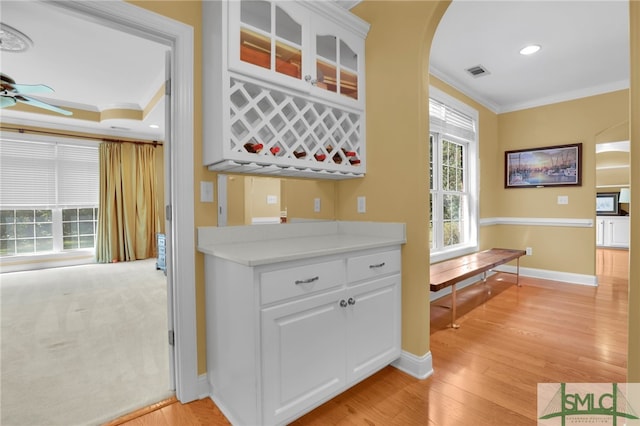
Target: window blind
[
  {"x": 47, "y": 174},
  {"x": 449, "y": 121}
]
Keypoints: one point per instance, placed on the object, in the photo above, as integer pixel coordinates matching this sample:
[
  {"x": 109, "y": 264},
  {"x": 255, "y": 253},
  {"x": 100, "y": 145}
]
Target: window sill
[
  {"x": 47, "y": 260},
  {"x": 439, "y": 256}
]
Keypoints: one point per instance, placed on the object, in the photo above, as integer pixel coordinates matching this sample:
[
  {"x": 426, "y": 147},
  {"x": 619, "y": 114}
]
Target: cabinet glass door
[
  {"x": 335, "y": 56},
  {"x": 270, "y": 38}
]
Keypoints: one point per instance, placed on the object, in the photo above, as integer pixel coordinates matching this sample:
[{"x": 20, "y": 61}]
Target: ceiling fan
[{"x": 12, "y": 93}]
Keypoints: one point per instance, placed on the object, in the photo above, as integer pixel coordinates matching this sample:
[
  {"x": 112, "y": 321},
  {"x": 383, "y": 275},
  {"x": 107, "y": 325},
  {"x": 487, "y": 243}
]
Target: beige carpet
[{"x": 82, "y": 345}]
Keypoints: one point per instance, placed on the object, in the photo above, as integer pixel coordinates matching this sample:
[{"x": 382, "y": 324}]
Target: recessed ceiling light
[
  {"x": 529, "y": 50},
  {"x": 154, "y": 126}
]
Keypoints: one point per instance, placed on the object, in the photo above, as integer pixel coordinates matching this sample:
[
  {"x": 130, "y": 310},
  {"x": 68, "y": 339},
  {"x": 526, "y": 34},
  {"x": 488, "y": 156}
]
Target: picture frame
[
  {"x": 559, "y": 165},
  {"x": 607, "y": 204}
]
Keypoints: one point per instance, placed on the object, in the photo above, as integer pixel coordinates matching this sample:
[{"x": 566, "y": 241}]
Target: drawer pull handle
[
  {"x": 377, "y": 265},
  {"x": 343, "y": 303},
  {"x": 308, "y": 280},
  {"x": 352, "y": 301}
]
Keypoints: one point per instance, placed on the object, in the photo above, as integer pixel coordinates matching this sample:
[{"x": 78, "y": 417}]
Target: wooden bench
[{"x": 452, "y": 271}]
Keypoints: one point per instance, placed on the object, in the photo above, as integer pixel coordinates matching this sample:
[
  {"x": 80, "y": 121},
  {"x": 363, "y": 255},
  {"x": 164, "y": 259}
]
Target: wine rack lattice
[{"x": 274, "y": 127}]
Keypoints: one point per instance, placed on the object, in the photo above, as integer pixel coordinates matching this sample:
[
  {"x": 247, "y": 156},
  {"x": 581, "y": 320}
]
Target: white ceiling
[
  {"x": 89, "y": 66},
  {"x": 585, "y": 51}
]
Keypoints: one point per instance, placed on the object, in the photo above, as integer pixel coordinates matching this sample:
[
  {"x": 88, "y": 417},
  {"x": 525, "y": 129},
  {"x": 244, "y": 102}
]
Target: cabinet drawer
[
  {"x": 300, "y": 281},
  {"x": 373, "y": 265}
]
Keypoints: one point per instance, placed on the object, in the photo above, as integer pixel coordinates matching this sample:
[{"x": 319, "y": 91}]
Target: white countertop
[{"x": 264, "y": 244}]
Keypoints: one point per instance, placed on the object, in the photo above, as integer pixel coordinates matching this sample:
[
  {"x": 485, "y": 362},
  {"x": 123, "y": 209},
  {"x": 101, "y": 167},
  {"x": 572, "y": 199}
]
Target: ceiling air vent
[{"x": 478, "y": 71}]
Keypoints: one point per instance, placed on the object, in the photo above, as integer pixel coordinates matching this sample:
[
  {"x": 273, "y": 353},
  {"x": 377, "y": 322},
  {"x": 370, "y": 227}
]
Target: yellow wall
[
  {"x": 257, "y": 189},
  {"x": 235, "y": 200},
  {"x": 633, "y": 357},
  {"x": 298, "y": 197},
  {"x": 396, "y": 184},
  {"x": 556, "y": 248}
]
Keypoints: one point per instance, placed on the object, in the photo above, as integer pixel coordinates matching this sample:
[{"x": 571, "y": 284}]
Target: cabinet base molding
[{"x": 420, "y": 367}]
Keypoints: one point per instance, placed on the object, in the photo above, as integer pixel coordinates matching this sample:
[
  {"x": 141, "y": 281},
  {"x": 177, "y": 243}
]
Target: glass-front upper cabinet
[
  {"x": 338, "y": 62},
  {"x": 336, "y": 66},
  {"x": 268, "y": 39},
  {"x": 289, "y": 43}
]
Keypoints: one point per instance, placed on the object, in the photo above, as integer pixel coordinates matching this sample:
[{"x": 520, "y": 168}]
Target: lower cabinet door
[
  {"x": 619, "y": 232},
  {"x": 373, "y": 332},
  {"x": 303, "y": 354}
]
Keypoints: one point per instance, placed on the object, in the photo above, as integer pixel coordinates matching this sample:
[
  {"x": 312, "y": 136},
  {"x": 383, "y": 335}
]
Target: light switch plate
[
  {"x": 316, "y": 205},
  {"x": 563, "y": 199},
  {"x": 206, "y": 192},
  {"x": 272, "y": 199},
  {"x": 362, "y": 204}
]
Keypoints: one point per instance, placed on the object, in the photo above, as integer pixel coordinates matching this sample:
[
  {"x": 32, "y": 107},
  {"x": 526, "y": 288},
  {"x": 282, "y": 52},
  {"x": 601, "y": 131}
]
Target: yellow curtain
[{"x": 128, "y": 216}]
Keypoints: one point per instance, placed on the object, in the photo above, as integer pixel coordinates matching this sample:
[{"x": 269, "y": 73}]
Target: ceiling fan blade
[
  {"x": 31, "y": 88},
  {"x": 40, "y": 104},
  {"x": 7, "y": 101}
]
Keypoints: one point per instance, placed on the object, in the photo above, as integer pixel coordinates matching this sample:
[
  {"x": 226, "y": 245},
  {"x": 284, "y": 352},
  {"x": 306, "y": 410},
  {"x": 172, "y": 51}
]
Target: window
[
  {"x": 48, "y": 196},
  {"x": 453, "y": 217},
  {"x": 25, "y": 231}
]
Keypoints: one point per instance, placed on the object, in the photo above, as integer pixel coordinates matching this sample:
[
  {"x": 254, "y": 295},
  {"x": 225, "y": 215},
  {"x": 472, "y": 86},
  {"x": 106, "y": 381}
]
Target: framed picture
[
  {"x": 607, "y": 204},
  {"x": 559, "y": 165}
]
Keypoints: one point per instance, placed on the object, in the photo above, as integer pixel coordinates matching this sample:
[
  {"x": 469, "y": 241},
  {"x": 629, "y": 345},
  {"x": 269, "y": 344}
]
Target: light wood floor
[{"x": 486, "y": 372}]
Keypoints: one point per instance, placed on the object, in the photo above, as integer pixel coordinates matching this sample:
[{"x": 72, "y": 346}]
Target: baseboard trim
[
  {"x": 420, "y": 367},
  {"x": 565, "y": 277}
]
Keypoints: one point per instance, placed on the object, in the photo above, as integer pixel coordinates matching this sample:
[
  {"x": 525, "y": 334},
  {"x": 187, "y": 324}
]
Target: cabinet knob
[
  {"x": 352, "y": 301},
  {"x": 343, "y": 303},
  {"x": 308, "y": 79}
]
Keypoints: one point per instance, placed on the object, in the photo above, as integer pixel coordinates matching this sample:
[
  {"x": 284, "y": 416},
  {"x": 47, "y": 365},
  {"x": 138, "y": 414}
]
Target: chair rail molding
[{"x": 538, "y": 221}]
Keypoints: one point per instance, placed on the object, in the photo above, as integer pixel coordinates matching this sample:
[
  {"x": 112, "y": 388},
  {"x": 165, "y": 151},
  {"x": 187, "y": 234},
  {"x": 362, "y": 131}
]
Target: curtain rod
[{"x": 51, "y": 133}]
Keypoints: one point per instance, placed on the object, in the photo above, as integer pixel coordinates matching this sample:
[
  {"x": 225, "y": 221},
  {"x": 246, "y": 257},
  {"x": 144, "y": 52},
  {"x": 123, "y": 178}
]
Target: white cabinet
[
  {"x": 283, "y": 88},
  {"x": 612, "y": 231},
  {"x": 284, "y": 338},
  {"x": 600, "y": 231},
  {"x": 303, "y": 354},
  {"x": 269, "y": 40}
]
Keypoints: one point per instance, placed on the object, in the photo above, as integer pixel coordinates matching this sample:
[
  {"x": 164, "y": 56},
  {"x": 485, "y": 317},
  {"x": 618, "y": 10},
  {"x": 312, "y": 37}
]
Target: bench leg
[
  {"x": 518, "y": 272},
  {"x": 484, "y": 281},
  {"x": 454, "y": 324}
]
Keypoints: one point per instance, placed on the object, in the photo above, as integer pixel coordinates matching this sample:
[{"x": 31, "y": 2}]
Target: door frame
[{"x": 179, "y": 37}]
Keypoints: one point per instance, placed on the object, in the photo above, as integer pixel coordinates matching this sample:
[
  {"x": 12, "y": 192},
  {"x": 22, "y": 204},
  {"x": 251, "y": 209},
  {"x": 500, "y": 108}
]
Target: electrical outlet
[
  {"x": 316, "y": 205},
  {"x": 529, "y": 251}
]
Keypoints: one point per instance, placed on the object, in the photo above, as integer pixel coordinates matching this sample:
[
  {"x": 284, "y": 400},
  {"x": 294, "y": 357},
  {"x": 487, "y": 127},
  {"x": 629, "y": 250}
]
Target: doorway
[{"x": 179, "y": 194}]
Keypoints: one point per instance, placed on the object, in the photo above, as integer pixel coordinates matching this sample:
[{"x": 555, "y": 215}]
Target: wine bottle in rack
[
  {"x": 299, "y": 154},
  {"x": 274, "y": 150},
  {"x": 320, "y": 156},
  {"x": 253, "y": 147}
]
